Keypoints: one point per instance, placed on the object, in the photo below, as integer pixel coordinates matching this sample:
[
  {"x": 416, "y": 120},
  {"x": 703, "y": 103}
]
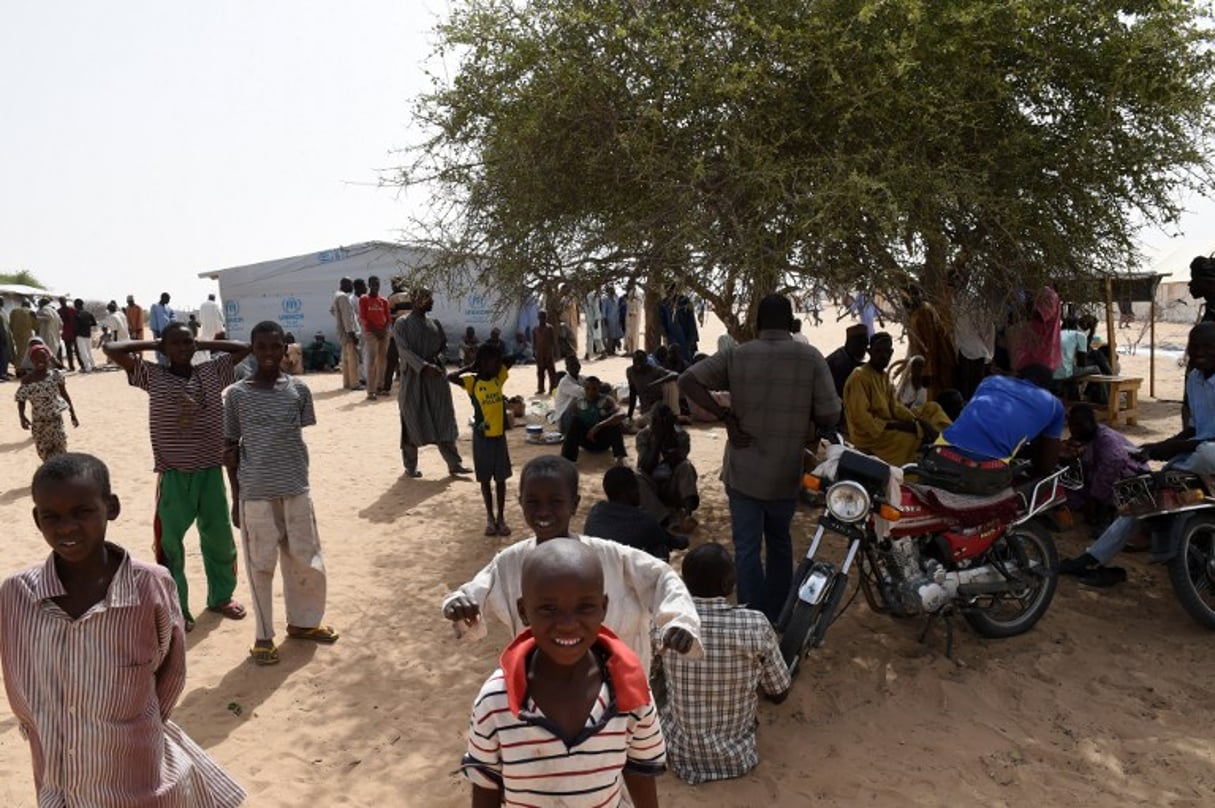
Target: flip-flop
[
  {"x": 231, "y": 610},
  {"x": 263, "y": 655},
  {"x": 1103, "y": 577},
  {"x": 323, "y": 634}
]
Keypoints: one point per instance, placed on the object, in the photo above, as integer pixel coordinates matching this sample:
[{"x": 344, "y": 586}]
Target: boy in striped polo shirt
[
  {"x": 264, "y": 416},
  {"x": 567, "y": 719},
  {"x": 185, "y": 416}
]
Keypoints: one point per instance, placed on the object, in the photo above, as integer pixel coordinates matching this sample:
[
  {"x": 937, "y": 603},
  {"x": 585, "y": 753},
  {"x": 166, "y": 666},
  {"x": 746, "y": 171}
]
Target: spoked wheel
[
  {"x": 1028, "y": 550},
  {"x": 1192, "y": 569}
]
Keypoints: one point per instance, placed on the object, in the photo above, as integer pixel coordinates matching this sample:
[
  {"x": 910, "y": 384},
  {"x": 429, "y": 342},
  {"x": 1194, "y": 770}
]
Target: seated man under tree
[
  {"x": 878, "y": 423},
  {"x": 595, "y": 424},
  {"x": 667, "y": 476}
]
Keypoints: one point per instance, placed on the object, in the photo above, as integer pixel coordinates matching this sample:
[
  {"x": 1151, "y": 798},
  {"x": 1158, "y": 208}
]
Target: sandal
[
  {"x": 264, "y": 655},
  {"x": 323, "y": 634},
  {"x": 231, "y": 610}
]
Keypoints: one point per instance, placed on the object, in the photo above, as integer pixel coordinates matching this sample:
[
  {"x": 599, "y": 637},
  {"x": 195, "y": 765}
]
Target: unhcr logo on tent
[
  {"x": 231, "y": 308},
  {"x": 293, "y": 312}
]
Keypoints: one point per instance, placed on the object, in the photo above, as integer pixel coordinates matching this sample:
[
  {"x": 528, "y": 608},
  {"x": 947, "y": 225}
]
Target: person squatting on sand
[
  {"x": 643, "y": 592},
  {"x": 264, "y": 417},
  {"x": 93, "y": 624},
  {"x": 185, "y": 417}
]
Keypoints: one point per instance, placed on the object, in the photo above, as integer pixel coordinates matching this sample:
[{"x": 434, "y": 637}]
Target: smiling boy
[
  {"x": 642, "y": 591},
  {"x": 93, "y": 655},
  {"x": 567, "y": 692}
]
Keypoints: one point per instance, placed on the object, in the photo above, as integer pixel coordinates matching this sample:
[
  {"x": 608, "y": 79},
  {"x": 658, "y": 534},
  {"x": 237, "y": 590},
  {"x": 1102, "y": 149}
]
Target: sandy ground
[{"x": 1105, "y": 703}]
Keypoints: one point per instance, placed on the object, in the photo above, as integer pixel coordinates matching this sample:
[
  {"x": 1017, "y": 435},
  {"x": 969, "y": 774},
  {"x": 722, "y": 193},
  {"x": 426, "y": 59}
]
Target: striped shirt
[
  {"x": 709, "y": 714},
  {"x": 268, "y": 422},
  {"x": 93, "y": 695},
  {"x": 185, "y": 413},
  {"x": 513, "y": 746}
]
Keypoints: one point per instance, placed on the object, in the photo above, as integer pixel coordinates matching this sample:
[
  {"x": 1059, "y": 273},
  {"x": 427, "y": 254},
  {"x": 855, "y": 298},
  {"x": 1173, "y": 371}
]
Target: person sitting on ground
[
  {"x": 595, "y": 424},
  {"x": 1105, "y": 457},
  {"x": 523, "y": 350},
  {"x": 495, "y": 341},
  {"x": 651, "y": 385},
  {"x": 293, "y": 356},
  {"x": 565, "y": 688},
  {"x": 483, "y": 381},
  {"x": 622, "y": 519},
  {"x": 878, "y": 423},
  {"x": 912, "y": 389},
  {"x": 569, "y": 390},
  {"x": 668, "y": 478},
  {"x": 848, "y": 357},
  {"x": 643, "y": 591},
  {"x": 1007, "y": 416},
  {"x": 468, "y": 346},
  {"x": 709, "y": 715},
  {"x": 1192, "y": 449},
  {"x": 320, "y": 354},
  {"x": 670, "y": 357}
]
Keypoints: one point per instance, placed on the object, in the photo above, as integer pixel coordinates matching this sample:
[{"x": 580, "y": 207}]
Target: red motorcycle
[{"x": 925, "y": 551}]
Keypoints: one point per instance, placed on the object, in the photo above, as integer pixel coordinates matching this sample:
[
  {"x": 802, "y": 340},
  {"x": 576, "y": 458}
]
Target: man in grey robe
[{"x": 427, "y": 414}]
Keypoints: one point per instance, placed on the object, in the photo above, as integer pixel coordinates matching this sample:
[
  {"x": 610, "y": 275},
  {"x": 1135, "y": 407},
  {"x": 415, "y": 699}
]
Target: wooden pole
[
  {"x": 1152, "y": 355},
  {"x": 1109, "y": 324}
]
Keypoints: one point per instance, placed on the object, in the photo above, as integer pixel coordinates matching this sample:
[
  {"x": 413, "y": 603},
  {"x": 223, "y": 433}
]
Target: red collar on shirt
[{"x": 629, "y": 682}]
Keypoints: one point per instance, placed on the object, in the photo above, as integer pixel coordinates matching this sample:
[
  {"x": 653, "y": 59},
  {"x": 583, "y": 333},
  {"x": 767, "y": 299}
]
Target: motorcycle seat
[{"x": 966, "y": 509}]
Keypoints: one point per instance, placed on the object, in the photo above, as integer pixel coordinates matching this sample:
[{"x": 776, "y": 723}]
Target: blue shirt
[
  {"x": 1200, "y": 394},
  {"x": 1005, "y": 413},
  {"x": 1069, "y": 343},
  {"x": 161, "y": 316}
]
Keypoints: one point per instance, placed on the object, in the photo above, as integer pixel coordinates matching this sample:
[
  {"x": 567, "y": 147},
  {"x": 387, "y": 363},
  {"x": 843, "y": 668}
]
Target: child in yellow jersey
[{"x": 483, "y": 381}]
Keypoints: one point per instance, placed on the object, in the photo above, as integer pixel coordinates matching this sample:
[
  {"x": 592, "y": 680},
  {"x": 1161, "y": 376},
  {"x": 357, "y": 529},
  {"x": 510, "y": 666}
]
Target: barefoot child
[
  {"x": 46, "y": 391},
  {"x": 483, "y": 381},
  {"x": 264, "y": 416},
  {"x": 94, "y": 659},
  {"x": 567, "y": 719},
  {"x": 709, "y": 714},
  {"x": 642, "y": 591}
]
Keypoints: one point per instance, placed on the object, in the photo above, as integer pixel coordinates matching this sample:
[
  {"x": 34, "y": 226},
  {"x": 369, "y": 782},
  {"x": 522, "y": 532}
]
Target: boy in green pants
[{"x": 185, "y": 413}]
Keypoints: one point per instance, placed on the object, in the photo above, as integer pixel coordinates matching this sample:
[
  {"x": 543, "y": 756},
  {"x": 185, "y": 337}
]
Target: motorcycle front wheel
[
  {"x": 1192, "y": 567},
  {"x": 1028, "y": 549}
]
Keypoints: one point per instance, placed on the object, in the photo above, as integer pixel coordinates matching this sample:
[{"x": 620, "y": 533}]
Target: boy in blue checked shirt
[
  {"x": 483, "y": 381},
  {"x": 709, "y": 713},
  {"x": 567, "y": 719}
]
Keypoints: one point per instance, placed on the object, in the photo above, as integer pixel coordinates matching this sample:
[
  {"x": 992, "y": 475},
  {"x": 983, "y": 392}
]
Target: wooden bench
[{"x": 1122, "y": 397}]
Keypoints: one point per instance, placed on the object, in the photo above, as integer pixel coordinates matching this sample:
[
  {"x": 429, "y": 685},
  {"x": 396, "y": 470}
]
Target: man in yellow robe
[{"x": 878, "y": 423}]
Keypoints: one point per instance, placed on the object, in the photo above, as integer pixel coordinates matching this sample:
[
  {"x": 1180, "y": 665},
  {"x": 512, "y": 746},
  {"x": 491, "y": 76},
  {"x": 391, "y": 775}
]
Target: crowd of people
[{"x": 614, "y": 654}]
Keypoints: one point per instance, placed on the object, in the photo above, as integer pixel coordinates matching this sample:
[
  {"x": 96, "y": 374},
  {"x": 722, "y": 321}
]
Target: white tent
[
  {"x": 19, "y": 291},
  {"x": 297, "y": 293}
]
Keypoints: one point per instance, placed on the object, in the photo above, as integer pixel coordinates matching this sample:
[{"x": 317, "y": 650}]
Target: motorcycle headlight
[{"x": 848, "y": 501}]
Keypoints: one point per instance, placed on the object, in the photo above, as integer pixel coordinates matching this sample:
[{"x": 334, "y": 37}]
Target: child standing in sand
[
  {"x": 264, "y": 416},
  {"x": 642, "y": 591},
  {"x": 46, "y": 392},
  {"x": 93, "y": 654},
  {"x": 483, "y": 380},
  {"x": 567, "y": 719}
]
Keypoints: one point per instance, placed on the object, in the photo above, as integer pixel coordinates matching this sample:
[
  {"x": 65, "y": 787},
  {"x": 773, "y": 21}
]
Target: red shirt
[{"x": 374, "y": 313}]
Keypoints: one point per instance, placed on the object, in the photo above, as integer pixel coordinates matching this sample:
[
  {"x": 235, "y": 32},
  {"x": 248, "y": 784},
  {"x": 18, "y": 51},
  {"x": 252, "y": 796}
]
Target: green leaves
[{"x": 730, "y": 147}]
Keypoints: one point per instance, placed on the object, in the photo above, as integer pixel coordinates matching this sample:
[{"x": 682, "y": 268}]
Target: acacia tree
[{"x": 735, "y": 147}]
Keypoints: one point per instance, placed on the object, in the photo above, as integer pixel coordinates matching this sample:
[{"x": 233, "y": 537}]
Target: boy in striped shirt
[
  {"x": 264, "y": 416},
  {"x": 567, "y": 719}
]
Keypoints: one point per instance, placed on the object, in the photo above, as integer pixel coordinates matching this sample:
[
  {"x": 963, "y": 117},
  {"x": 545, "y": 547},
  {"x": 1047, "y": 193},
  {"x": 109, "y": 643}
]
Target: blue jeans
[{"x": 762, "y": 523}]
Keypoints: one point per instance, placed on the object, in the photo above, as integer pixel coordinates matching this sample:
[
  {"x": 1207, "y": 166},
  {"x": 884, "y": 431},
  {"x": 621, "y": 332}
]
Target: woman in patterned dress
[{"x": 46, "y": 392}]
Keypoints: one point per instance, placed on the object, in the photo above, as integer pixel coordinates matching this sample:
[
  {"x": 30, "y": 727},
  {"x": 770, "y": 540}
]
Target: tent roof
[
  {"x": 21, "y": 290},
  {"x": 298, "y": 262}
]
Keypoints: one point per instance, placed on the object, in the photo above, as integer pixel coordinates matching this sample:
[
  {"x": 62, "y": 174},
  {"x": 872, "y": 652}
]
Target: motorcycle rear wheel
[
  {"x": 1026, "y": 547},
  {"x": 1192, "y": 568}
]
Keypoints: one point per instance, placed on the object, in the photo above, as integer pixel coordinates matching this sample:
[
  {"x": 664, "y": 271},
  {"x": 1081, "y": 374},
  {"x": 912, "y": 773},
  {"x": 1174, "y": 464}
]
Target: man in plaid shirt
[{"x": 709, "y": 713}]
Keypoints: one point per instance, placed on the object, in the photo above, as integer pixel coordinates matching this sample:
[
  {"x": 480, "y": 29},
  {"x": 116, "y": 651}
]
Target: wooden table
[{"x": 1118, "y": 387}]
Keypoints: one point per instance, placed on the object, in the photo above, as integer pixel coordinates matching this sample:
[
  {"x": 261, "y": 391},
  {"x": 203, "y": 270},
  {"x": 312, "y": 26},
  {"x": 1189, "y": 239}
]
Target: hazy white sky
[{"x": 145, "y": 142}]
